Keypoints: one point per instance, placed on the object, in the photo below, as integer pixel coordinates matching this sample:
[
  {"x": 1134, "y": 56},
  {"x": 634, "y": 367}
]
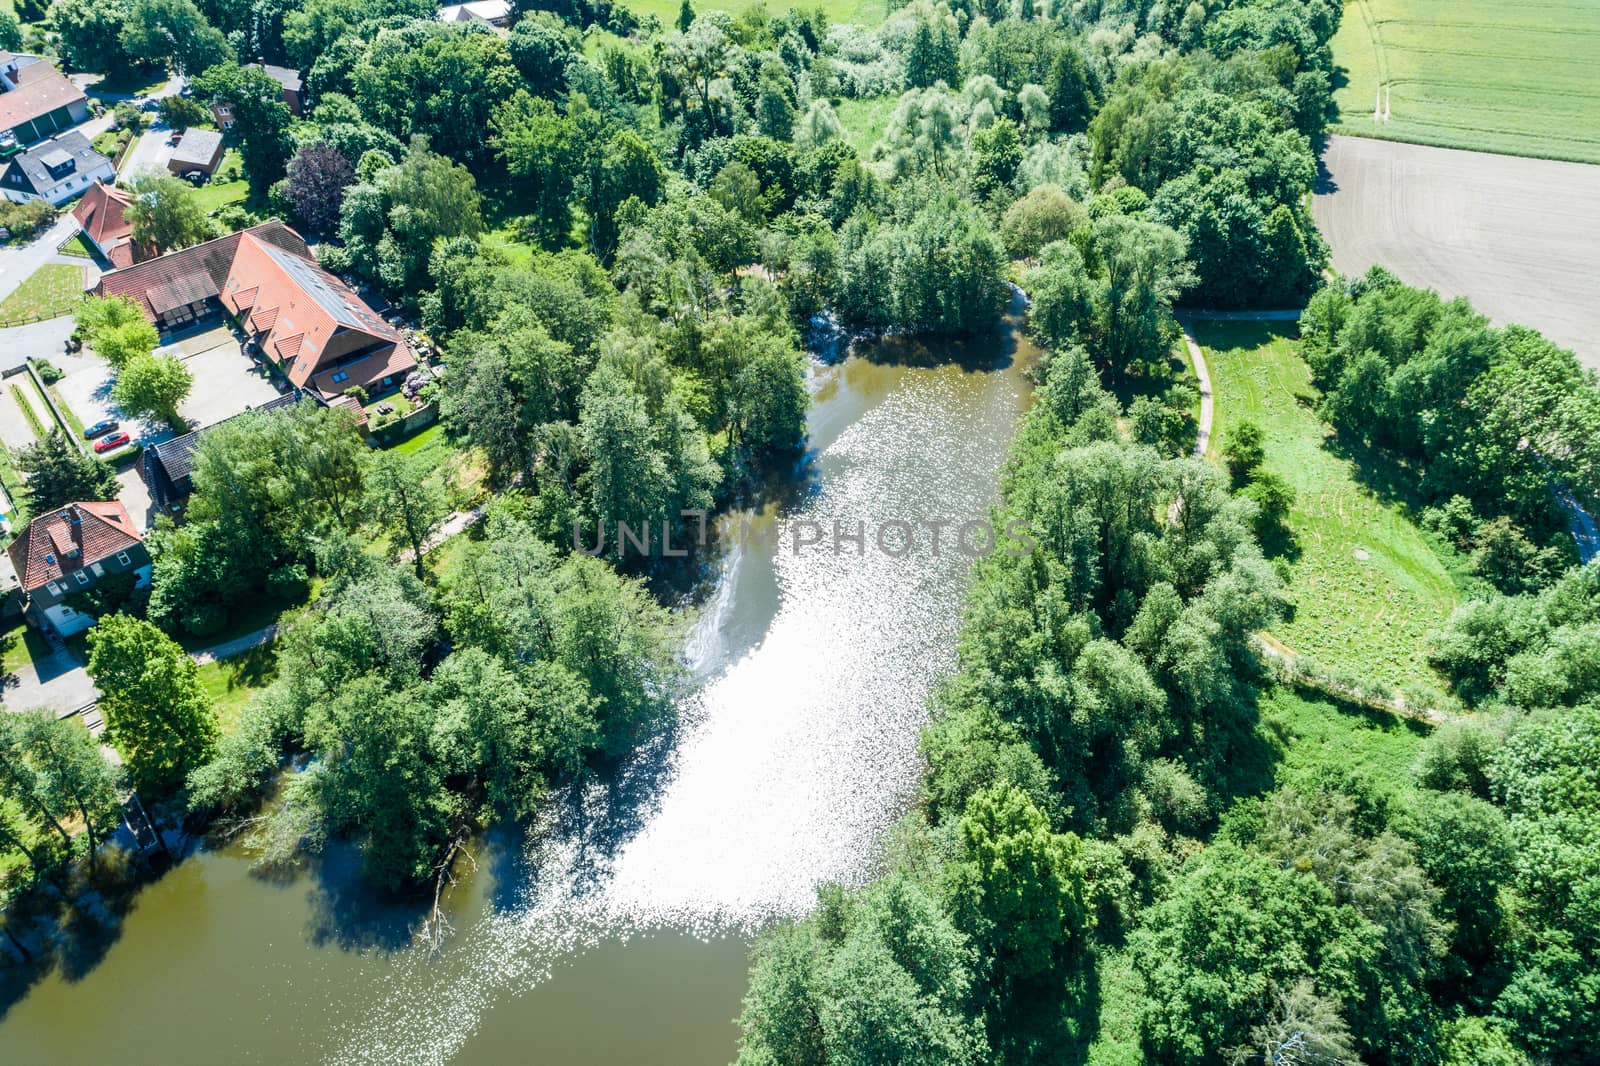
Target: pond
[{"x": 618, "y": 929}]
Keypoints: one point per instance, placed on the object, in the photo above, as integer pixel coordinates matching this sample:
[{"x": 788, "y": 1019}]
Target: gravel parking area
[
  {"x": 225, "y": 380},
  {"x": 1519, "y": 237}
]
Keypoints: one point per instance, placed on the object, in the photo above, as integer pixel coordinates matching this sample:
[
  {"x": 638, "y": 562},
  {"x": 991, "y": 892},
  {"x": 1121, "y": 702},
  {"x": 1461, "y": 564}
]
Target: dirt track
[{"x": 1520, "y": 237}]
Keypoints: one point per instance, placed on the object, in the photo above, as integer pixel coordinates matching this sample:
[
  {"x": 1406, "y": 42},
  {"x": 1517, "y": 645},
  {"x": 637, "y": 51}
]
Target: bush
[
  {"x": 205, "y": 619},
  {"x": 49, "y": 373},
  {"x": 26, "y": 220},
  {"x": 128, "y": 117},
  {"x": 289, "y": 582},
  {"x": 180, "y": 112}
]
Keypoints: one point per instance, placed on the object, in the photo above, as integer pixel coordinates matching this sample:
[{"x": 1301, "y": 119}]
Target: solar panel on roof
[{"x": 317, "y": 285}]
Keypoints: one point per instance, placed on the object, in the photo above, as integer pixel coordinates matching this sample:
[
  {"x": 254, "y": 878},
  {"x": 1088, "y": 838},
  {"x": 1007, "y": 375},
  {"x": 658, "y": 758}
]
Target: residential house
[
  {"x": 198, "y": 150},
  {"x": 56, "y": 170},
  {"x": 103, "y": 216},
  {"x": 36, "y": 100},
  {"x": 322, "y": 336},
  {"x": 300, "y": 318},
  {"x": 492, "y": 12},
  {"x": 69, "y": 551},
  {"x": 294, "y": 94},
  {"x": 175, "y": 289},
  {"x": 168, "y": 465}
]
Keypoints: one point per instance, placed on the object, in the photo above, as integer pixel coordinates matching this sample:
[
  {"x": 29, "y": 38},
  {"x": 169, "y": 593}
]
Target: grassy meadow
[
  {"x": 1367, "y": 587},
  {"x": 1490, "y": 75},
  {"x": 52, "y": 290}
]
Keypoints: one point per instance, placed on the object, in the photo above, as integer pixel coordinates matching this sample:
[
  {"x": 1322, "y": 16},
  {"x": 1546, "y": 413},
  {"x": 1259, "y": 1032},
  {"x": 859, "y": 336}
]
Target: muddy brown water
[{"x": 617, "y": 931}]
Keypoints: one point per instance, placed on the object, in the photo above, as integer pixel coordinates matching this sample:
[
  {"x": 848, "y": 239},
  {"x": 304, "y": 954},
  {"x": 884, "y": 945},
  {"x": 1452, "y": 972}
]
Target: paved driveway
[
  {"x": 134, "y": 494},
  {"x": 58, "y": 681},
  {"x": 225, "y": 383},
  {"x": 225, "y": 380},
  {"x": 36, "y": 340},
  {"x": 149, "y": 153}
]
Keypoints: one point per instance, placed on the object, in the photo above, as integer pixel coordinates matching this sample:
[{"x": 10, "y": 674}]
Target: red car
[{"x": 106, "y": 444}]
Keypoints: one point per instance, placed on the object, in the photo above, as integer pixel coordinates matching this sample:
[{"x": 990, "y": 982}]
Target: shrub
[{"x": 49, "y": 373}]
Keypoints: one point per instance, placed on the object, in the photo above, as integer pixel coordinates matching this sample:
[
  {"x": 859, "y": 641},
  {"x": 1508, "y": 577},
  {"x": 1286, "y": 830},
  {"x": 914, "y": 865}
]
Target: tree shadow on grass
[{"x": 1391, "y": 480}]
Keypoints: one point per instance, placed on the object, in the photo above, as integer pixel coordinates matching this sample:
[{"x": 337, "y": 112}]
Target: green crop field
[
  {"x": 1491, "y": 75},
  {"x": 1366, "y": 588}
]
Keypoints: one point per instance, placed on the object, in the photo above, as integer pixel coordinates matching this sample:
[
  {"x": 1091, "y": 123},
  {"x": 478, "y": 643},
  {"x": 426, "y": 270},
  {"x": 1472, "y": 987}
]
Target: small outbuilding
[{"x": 198, "y": 150}]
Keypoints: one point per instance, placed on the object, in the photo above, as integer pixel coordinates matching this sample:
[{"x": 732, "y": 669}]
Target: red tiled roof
[
  {"x": 309, "y": 322},
  {"x": 39, "y": 92},
  {"x": 41, "y": 551},
  {"x": 202, "y": 268},
  {"x": 102, "y": 214}
]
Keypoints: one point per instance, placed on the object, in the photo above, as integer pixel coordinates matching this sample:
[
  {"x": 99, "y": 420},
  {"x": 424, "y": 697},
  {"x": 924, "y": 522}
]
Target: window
[
  {"x": 340, "y": 376},
  {"x": 122, "y": 557},
  {"x": 83, "y": 578},
  {"x": 51, "y": 585}
]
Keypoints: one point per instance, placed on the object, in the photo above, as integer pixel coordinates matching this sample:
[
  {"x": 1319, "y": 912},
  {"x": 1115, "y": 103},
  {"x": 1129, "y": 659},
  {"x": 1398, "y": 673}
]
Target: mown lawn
[
  {"x": 1492, "y": 75},
  {"x": 1367, "y": 588},
  {"x": 20, "y": 645},
  {"x": 232, "y": 682},
  {"x": 54, "y": 289},
  {"x": 78, "y": 247},
  {"x": 217, "y": 193}
]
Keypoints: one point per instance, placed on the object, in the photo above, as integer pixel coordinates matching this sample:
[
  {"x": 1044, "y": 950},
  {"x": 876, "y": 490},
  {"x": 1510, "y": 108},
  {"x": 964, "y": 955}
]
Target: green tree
[
  {"x": 116, "y": 329},
  {"x": 379, "y": 780},
  {"x": 408, "y": 499},
  {"x": 157, "y": 712},
  {"x": 543, "y": 47},
  {"x": 154, "y": 386},
  {"x": 769, "y": 400},
  {"x": 1244, "y": 451},
  {"x": 90, "y": 35},
  {"x": 72, "y": 775},
  {"x": 181, "y": 112},
  {"x": 442, "y": 83},
  {"x": 22, "y": 783},
  {"x": 260, "y": 118},
  {"x": 166, "y": 213},
  {"x": 1143, "y": 270},
  {"x": 873, "y": 977},
  {"x": 158, "y": 32},
  {"x": 391, "y": 226},
  {"x": 59, "y": 473},
  {"x": 10, "y": 31},
  {"x": 1043, "y": 216},
  {"x": 541, "y": 146},
  {"x": 1016, "y": 891},
  {"x": 624, "y": 167},
  {"x": 996, "y": 155}
]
